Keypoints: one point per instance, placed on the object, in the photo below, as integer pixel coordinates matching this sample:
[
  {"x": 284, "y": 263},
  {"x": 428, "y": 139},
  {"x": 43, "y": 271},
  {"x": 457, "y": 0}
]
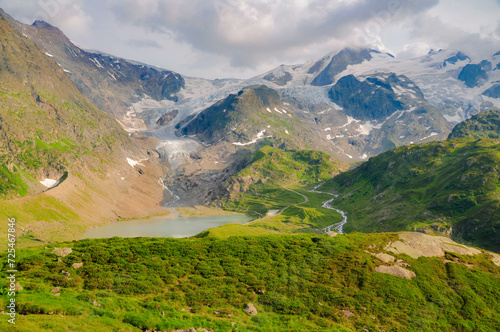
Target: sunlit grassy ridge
[
  {"x": 297, "y": 283},
  {"x": 276, "y": 179},
  {"x": 453, "y": 183}
]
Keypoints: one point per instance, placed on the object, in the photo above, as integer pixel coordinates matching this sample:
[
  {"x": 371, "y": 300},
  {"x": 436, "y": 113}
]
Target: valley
[{"x": 356, "y": 191}]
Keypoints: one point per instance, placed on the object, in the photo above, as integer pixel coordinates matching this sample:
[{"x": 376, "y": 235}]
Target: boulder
[
  {"x": 250, "y": 309},
  {"x": 396, "y": 270},
  {"x": 386, "y": 258},
  {"x": 416, "y": 245},
  {"x": 62, "y": 252}
]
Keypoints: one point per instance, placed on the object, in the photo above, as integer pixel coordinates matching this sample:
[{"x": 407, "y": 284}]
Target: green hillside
[
  {"x": 46, "y": 126},
  {"x": 480, "y": 126},
  {"x": 280, "y": 180},
  {"x": 450, "y": 186},
  {"x": 295, "y": 282}
]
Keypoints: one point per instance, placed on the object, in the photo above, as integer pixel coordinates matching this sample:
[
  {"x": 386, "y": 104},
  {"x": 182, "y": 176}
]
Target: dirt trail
[{"x": 306, "y": 199}]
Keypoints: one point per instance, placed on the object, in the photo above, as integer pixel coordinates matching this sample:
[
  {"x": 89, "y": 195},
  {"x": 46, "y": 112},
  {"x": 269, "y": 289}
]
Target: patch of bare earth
[{"x": 418, "y": 245}]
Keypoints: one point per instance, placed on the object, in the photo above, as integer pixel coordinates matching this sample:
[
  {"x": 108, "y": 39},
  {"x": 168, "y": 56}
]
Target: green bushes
[{"x": 301, "y": 282}]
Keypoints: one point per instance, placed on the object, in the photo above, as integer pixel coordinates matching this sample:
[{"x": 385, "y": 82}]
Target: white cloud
[
  {"x": 436, "y": 32},
  {"x": 414, "y": 50},
  {"x": 242, "y": 38},
  {"x": 253, "y": 32},
  {"x": 68, "y": 15}
]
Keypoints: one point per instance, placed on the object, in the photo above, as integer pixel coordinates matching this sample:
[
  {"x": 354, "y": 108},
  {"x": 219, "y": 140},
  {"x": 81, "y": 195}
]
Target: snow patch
[
  {"x": 49, "y": 183},
  {"x": 327, "y": 129},
  {"x": 267, "y": 109},
  {"x": 337, "y": 107},
  {"x": 349, "y": 121},
  {"x": 400, "y": 91},
  {"x": 277, "y": 110},
  {"x": 432, "y": 134},
  {"x": 364, "y": 156},
  {"x": 49, "y": 54},
  {"x": 260, "y": 135},
  {"x": 457, "y": 118},
  {"x": 112, "y": 76},
  {"x": 286, "y": 132},
  {"x": 133, "y": 163},
  {"x": 367, "y": 127},
  {"x": 96, "y": 62}
]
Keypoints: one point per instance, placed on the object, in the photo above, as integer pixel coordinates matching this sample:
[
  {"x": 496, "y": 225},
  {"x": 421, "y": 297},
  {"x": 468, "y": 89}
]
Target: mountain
[
  {"x": 46, "y": 124},
  {"x": 353, "y": 104},
  {"x": 422, "y": 101},
  {"x": 254, "y": 113},
  {"x": 449, "y": 187},
  {"x": 371, "y": 282},
  {"x": 63, "y": 162},
  {"x": 111, "y": 83},
  {"x": 338, "y": 64}
]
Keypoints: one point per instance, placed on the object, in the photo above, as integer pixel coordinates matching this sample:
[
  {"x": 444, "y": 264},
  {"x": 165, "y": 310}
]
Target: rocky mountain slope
[
  {"x": 255, "y": 113},
  {"x": 416, "y": 100},
  {"x": 60, "y": 156},
  {"x": 110, "y": 83},
  {"x": 449, "y": 186}
]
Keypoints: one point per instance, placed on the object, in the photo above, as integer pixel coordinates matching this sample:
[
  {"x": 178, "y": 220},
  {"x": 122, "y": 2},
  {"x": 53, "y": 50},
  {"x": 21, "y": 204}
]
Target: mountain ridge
[
  {"x": 444, "y": 186},
  {"x": 63, "y": 161}
]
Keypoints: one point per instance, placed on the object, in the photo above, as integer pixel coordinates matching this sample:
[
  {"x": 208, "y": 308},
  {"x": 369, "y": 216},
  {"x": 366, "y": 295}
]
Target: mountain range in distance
[{"x": 363, "y": 101}]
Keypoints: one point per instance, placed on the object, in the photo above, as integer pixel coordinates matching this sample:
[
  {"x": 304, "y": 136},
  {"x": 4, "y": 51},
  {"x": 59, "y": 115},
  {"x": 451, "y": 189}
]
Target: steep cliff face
[{"x": 338, "y": 64}]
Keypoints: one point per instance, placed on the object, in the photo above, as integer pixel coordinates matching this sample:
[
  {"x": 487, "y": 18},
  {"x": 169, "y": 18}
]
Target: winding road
[
  {"x": 304, "y": 196},
  {"x": 337, "y": 227}
]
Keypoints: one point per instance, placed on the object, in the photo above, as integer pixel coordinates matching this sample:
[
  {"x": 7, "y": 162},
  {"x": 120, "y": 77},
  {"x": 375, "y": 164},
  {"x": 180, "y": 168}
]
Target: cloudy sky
[{"x": 243, "y": 38}]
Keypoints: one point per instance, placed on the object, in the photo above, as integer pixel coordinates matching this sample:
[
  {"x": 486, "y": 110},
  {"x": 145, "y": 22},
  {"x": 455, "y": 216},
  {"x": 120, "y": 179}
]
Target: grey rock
[
  {"x": 250, "y": 309},
  {"x": 62, "y": 252},
  {"x": 77, "y": 265}
]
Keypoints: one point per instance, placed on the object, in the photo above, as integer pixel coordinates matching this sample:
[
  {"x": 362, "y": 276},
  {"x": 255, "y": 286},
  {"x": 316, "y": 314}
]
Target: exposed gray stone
[{"x": 62, "y": 252}]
